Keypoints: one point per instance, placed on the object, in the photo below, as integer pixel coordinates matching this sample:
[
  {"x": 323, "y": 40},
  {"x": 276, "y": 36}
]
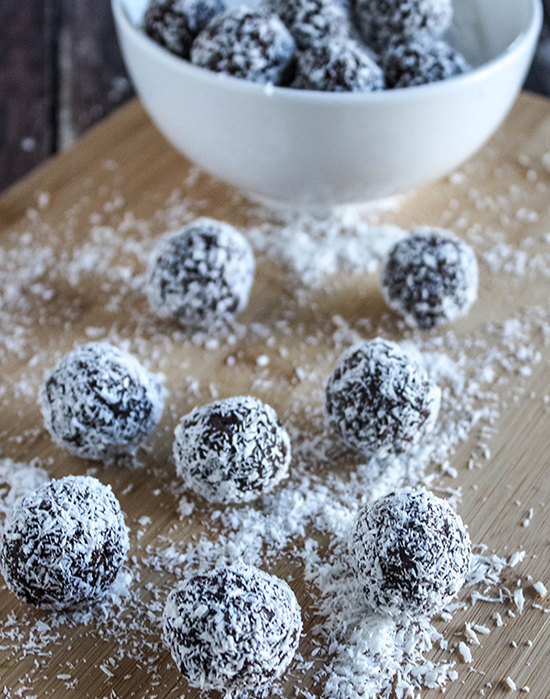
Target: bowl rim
[{"x": 524, "y": 39}]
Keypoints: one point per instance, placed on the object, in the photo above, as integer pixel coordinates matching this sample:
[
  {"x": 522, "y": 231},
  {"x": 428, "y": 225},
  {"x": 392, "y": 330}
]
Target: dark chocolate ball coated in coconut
[
  {"x": 381, "y": 21},
  {"x": 411, "y": 553},
  {"x": 250, "y": 44},
  {"x": 339, "y": 65},
  {"x": 232, "y": 629},
  {"x": 311, "y": 21},
  {"x": 201, "y": 276},
  {"x": 64, "y": 544},
  {"x": 430, "y": 278},
  {"x": 420, "y": 62},
  {"x": 379, "y": 400},
  {"x": 233, "y": 450},
  {"x": 175, "y": 24},
  {"x": 100, "y": 402}
]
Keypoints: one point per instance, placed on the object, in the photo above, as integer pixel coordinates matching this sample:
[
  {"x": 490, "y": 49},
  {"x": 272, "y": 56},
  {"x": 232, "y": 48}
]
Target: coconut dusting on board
[{"x": 347, "y": 653}]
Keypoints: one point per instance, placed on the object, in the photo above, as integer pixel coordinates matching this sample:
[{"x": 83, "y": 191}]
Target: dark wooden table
[{"x": 61, "y": 71}]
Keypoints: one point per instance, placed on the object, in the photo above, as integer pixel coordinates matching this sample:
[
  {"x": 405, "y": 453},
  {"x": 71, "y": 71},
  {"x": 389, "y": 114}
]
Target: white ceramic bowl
[{"x": 306, "y": 147}]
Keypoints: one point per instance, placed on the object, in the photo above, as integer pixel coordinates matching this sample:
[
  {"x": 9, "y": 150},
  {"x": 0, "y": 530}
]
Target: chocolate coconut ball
[
  {"x": 232, "y": 629},
  {"x": 311, "y": 21},
  {"x": 419, "y": 62},
  {"x": 380, "y": 21},
  {"x": 100, "y": 402},
  {"x": 411, "y": 553},
  {"x": 379, "y": 400},
  {"x": 339, "y": 65},
  {"x": 250, "y": 44},
  {"x": 201, "y": 276},
  {"x": 64, "y": 544},
  {"x": 175, "y": 24},
  {"x": 233, "y": 450},
  {"x": 430, "y": 278}
]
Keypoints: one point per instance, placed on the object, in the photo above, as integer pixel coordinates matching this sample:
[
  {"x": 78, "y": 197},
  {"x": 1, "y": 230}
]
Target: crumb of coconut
[
  {"x": 540, "y": 588},
  {"x": 465, "y": 652},
  {"x": 519, "y": 599},
  {"x": 471, "y": 635},
  {"x": 516, "y": 558},
  {"x": 511, "y": 684},
  {"x": 527, "y": 520}
]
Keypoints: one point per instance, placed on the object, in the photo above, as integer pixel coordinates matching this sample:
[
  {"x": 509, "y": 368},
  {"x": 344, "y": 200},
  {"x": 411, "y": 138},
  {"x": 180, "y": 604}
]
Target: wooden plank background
[{"x": 61, "y": 71}]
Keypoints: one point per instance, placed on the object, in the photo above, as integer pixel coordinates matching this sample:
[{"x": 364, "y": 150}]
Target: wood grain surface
[
  {"x": 60, "y": 72},
  {"x": 124, "y": 177}
]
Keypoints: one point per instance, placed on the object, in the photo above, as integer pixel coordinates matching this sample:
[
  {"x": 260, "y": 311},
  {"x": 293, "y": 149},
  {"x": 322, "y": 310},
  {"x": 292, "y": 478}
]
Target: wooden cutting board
[{"x": 120, "y": 177}]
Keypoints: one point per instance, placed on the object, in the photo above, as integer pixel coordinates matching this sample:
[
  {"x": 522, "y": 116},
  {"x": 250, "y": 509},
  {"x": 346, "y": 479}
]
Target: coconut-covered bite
[
  {"x": 411, "y": 553},
  {"x": 201, "y": 276},
  {"x": 311, "y": 21},
  {"x": 419, "y": 62},
  {"x": 430, "y": 278},
  {"x": 233, "y": 450},
  {"x": 339, "y": 65},
  {"x": 232, "y": 629},
  {"x": 381, "y": 21},
  {"x": 64, "y": 544},
  {"x": 100, "y": 402},
  {"x": 379, "y": 400},
  {"x": 175, "y": 24},
  {"x": 250, "y": 44}
]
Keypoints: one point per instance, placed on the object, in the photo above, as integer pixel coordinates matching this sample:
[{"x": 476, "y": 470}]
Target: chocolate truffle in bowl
[
  {"x": 340, "y": 65},
  {"x": 312, "y": 21},
  {"x": 381, "y": 21},
  {"x": 175, "y": 24},
  {"x": 420, "y": 62},
  {"x": 245, "y": 43}
]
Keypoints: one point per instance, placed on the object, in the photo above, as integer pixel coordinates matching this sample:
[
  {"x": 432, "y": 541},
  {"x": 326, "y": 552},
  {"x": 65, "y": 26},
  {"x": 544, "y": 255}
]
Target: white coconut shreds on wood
[
  {"x": 481, "y": 372},
  {"x": 100, "y": 402},
  {"x": 17, "y": 480},
  {"x": 315, "y": 246},
  {"x": 321, "y": 503},
  {"x": 231, "y": 629},
  {"x": 64, "y": 544},
  {"x": 233, "y": 450}
]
